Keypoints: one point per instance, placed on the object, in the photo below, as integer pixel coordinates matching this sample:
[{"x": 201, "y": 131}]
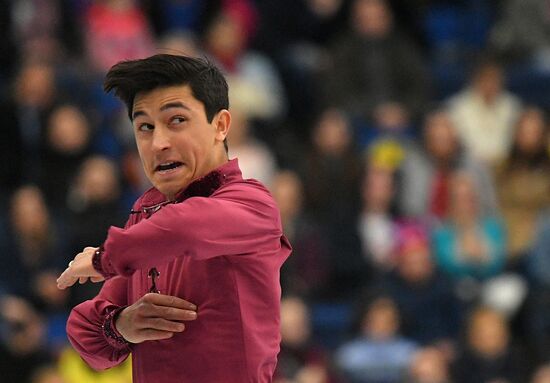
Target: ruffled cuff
[
  {"x": 111, "y": 334},
  {"x": 102, "y": 264}
]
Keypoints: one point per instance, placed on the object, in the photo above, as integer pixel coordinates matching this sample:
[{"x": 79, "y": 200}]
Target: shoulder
[
  {"x": 243, "y": 199},
  {"x": 249, "y": 194},
  {"x": 245, "y": 190}
]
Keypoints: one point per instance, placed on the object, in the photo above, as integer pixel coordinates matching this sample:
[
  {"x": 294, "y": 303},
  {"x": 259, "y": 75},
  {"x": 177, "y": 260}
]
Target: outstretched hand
[
  {"x": 154, "y": 317},
  {"x": 80, "y": 269}
]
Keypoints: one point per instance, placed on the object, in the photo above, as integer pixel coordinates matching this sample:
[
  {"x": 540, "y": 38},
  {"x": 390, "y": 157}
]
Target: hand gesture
[
  {"x": 154, "y": 317},
  {"x": 80, "y": 269}
]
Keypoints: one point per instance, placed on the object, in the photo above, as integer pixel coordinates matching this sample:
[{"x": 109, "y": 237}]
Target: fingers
[
  {"x": 152, "y": 334},
  {"x": 157, "y": 306},
  {"x": 79, "y": 269},
  {"x": 153, "y": 317},
  {"x": 66, "y": 280},
  {"x": 162, "y": 325},
  {"x": 173, "y": 314},
  {"x": 169, "y": 301}
]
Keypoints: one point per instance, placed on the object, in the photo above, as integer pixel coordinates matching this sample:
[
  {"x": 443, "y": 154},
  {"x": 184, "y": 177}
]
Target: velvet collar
[{"x": 152, "y": 200}]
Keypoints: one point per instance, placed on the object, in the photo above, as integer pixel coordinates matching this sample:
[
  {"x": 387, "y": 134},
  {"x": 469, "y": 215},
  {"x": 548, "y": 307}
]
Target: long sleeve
[
  {"x": 91, "y": 331},
  {"x": 232, "y": 222},
  {"x": 449, "y": 259}
]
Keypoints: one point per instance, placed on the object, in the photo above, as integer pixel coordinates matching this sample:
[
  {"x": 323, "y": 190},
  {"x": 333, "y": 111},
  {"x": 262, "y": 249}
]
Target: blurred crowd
[{"x": 405, "y": 141}]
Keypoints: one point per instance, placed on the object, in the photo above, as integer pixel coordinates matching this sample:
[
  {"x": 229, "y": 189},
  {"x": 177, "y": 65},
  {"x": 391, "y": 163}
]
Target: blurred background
[{"x": 406, "y": 142}]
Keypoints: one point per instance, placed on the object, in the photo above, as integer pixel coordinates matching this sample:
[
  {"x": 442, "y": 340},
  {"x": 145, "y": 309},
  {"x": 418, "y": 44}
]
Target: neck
[
  {"x": 215, "y": 162},
  {"x": 203, "y": 182}
]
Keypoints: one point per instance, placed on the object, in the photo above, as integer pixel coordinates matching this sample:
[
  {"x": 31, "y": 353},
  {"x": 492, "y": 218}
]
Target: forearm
[
  {"x": 201, "y": 228},
  {"x": 90, "y": 327}
]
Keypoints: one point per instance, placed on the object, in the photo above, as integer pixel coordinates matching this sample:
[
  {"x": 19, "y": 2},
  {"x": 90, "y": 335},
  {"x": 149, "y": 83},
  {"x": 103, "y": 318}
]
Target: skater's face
[{"x": 176, "y": 142}]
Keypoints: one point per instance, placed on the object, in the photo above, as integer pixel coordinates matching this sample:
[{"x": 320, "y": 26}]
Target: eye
[
  {"x": 145, "y": 127},
  {"x": 177, "y": 120}
]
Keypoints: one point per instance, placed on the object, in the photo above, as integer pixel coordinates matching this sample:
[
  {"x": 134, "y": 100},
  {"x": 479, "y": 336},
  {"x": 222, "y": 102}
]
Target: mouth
[{"x": 168, "y": 166}]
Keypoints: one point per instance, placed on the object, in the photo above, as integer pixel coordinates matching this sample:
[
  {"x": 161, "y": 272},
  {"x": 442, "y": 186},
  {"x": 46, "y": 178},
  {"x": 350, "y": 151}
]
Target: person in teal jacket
[{"x": 469, "y": 244}]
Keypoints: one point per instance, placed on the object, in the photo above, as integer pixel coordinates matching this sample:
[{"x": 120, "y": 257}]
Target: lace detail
[
  {"x": 110, "y": 332},
  {"x": 96, "y": 262},
  {"x": 204, "y": 186}
]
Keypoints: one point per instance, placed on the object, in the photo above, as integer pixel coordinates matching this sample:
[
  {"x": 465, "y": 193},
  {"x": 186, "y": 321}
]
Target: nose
[{"x": 161, "y": 139}]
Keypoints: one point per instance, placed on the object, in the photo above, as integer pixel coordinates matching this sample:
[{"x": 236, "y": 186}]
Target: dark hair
[
  {"x": 207, "y": 83},
  {"x": 538, "y": 159}
]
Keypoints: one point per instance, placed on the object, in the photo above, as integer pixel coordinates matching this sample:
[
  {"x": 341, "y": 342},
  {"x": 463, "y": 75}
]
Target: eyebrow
[{"x": 170, "y": 105}]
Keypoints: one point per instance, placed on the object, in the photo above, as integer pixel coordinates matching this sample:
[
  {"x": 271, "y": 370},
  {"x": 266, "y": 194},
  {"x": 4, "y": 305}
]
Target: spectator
[
  {"x": 295, "y": 33},
  {"x": 22, "y": 351},
  {"x": 227, "y": 40},
  {"x": 484, "y": 113},
  {"x": 96, "y": 189},
  {"x": 35, "y": 252},
  {"x": 255, "y": 159},
  {"x": 426, "y": 171},
  {"x": 331, "y": 175},
  {"x": 429, "y": 365},
  {"x": 542, "y": 374},
  {"x": 373, "y": 66},
  {"x": 300, "y": 359},
  {"x": 488, "y": 354},
  {"x": 378, "y": 354},
  {"x": 522, "y": 34},
  {"x": 94, "y": 207},
  {"x": 307, "y": 272},
  {"x": 116, "y": 30},
  {"x": 469, "y": 244},
  {"x": 331, "y": 169},
  {"x": 391, "y": 123},
  {"x": 67, "y": 143},
  {"x": 25, "y": 111},
  {"x": 523, "y": 181},
  {"x": 430, "y": 311},
  {"x": 35, "y": 27},
  {"x": 377, "y": 224}
]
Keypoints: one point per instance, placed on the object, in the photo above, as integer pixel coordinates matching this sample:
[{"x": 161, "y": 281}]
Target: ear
[{"x": 222, "y": 123}]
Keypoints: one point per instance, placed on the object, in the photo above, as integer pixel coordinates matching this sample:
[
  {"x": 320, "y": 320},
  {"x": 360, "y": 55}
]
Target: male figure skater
[{"x": 192, "y": 282}]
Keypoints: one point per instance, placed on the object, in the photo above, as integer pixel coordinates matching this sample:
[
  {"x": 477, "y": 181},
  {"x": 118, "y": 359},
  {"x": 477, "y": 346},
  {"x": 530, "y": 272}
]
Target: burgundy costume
[{"x": 220, "y": 246}]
